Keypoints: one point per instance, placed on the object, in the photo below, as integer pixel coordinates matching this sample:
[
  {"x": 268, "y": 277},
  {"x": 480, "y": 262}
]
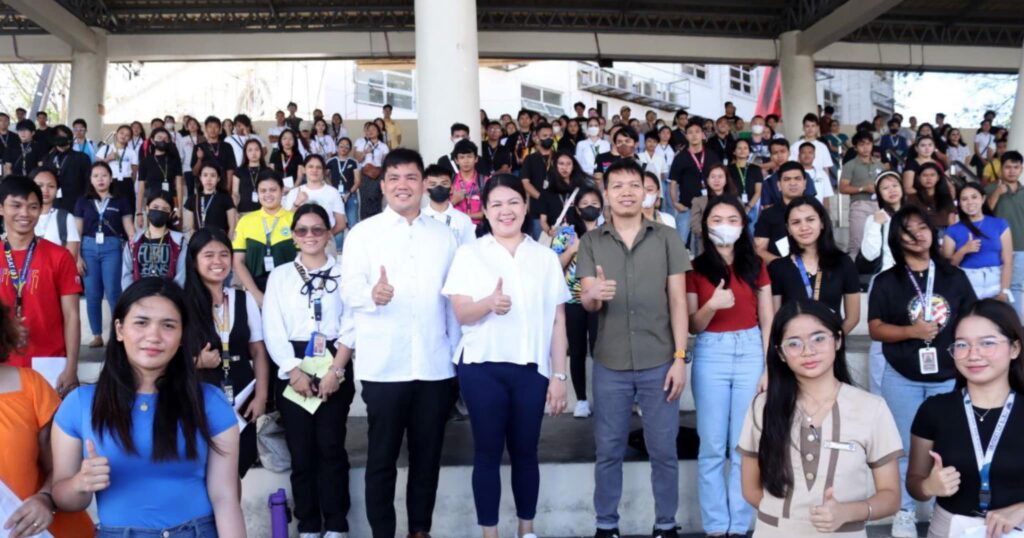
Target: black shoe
[
  {"x": 665, "y": 533},
  {"x": 607, "y": 533}
]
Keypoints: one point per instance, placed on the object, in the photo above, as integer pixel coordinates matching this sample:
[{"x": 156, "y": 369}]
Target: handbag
[{"x": 545, "y": 239}]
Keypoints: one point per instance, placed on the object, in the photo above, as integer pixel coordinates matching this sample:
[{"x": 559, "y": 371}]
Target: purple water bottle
[{"x": 278, "y": 503}]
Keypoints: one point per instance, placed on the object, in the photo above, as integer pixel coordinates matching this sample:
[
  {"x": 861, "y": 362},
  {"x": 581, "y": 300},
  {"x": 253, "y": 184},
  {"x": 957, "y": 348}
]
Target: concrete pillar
[
  {"x": 88, "y": 84},
  {"x": 1016, "y": 140},
  {"x": 799, "y": 89},
  {"x": 447, "y": 73}
]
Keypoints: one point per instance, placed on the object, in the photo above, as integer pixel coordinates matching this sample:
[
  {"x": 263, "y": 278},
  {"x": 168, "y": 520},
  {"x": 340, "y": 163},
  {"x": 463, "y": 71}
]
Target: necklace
[
  {"x": 981, "y": 416},
  {"x": 144, "y": 407},
  {"x": 809, "y": 417}
]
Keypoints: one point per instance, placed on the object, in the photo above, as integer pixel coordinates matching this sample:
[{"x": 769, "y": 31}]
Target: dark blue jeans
[
  {"x": 102, "y": 277},
  {"x": 506, "y": 406},
  {"x": 203, "y": 527}
]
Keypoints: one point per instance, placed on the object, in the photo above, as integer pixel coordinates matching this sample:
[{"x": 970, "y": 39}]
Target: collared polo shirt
[
  {"x": 1011, "y": 208},
  {"x": 634, "y": 328}
]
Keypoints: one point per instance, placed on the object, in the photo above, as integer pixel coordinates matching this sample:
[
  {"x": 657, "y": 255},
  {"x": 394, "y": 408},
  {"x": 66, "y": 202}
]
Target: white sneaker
[
  {"x": 904, "y": 525},
  {"x": 529, "y": 534},
  {"x": 582, "y": 411},
  {"x": 309, "y": 535},
  {"x": 335, "y": 534}
]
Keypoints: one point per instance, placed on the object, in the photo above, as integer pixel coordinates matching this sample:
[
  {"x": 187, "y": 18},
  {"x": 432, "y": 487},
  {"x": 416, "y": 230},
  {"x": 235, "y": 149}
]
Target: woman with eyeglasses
[
  {"x": 966, "y": 445},
  {"x": 303, "y": 320},
  {"x": 819, "y": 454},
  {"x": 910, "y": 310}
]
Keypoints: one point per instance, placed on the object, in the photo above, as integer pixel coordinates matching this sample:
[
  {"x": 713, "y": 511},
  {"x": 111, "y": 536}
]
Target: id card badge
[
  {"x": 268, "y": 263},
  {"x": 229, "y": 391},
  {"x": 99, "y": 238},
  {"x": 744, "y": 198},
  {"x": 319, "y": 344},
  {"x": 165, "y": 186},
  {"x": 703, "y": 192},
  {"x": 255, "y": 198},
  {"x": 289, "y": 182},
  {"x": 929, "y": 360},
  {"x": 783, "y": 246},
  {"x": 60, "y": 193}
]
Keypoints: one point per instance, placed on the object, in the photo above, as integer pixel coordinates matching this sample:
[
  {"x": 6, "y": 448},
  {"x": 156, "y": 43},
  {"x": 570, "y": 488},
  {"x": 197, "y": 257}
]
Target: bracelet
[{"x": 871, "y": 512}]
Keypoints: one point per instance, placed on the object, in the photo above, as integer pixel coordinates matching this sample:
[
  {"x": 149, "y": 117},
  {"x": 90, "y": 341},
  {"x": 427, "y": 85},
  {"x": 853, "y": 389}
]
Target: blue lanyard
[
  {"x": 18, "y": 280},
  {"x": 206, "y": 207},
  {"x": 984, "y": 456},
  {"x": 101, "y": 210},
  {"x": 812, "y": 293},
  {"x": 269, "y": 231},
  {"x": 926, "y": 298}
]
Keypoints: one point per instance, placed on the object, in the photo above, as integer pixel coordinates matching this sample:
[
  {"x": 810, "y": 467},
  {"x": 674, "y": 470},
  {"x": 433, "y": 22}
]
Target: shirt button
[
  {"x": 166, "y": 534},
  {"x": 810, "y": 457},
  {"x": 810, "y": 476},
  {"x": 810, "y": 437}
]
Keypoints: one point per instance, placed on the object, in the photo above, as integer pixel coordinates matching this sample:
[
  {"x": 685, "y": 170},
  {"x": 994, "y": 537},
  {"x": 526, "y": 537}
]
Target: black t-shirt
[
  {"x": 158, "y": 169},
  {"x": 687, "y": 171},
  {"x": 371, "y": 197},
  {"x": 246, "y": 187},
  {"x": 210, "y": 212},
  {"x": 154, "y": 256},
  {"x": 488, "y": 155},
  {"x": 771, "y": 224},
  {"x": 221, "y": 153},
  {"x": 43, "y": 137},
  {"x": 535, "y": 168},
  {"x": 894, "y": 300},
  {"x": 942, "y": 419},
  {"x": 285, "y": 166},
  {"x": 723, "y": 147},
  {"x": 342, "y": 173},
  {"x": 23, "y": 158},
  {"x": 72, "y": 176},
  {"x": 567, "y": 145},
  {"x": 678, "y": 139},
  {"x": 835, "y": 283},
  {"x": 747, "y": 183},
  {"x": 552, "y": 204},
  {"x": 7, "y": 140}
]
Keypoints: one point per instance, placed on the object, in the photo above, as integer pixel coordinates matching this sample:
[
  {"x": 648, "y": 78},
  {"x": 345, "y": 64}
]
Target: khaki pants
[{"x": 860, "y": 212}]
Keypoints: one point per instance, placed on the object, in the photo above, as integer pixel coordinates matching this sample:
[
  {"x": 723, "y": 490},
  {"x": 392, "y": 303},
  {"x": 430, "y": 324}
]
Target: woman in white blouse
[
  {"x": 507, "y": 292},
  {"x": 304, "y": 318}
]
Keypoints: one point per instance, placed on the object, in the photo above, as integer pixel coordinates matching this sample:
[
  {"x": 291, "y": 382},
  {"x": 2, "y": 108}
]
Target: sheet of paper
[
  {"x": 9, "y": 502},
  {"x": 240, "y": 401},
  {"x": 317, "y": 366},
  {"x": 50, "y": 368},
  {"x": 974, "y": 527}
]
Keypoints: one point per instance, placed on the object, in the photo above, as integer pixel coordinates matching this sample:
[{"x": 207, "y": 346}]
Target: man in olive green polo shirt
[
  {"x": 858, "y": 181},
  {"x": 632, "y": 273},
  {"x": 1007, "y": 200}
]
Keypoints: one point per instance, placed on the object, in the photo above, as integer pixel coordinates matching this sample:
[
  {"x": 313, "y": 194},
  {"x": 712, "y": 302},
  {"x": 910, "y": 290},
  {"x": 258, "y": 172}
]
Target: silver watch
[
  {"x": 560, "y": 377},
  {"x": 339, "y": 373}
]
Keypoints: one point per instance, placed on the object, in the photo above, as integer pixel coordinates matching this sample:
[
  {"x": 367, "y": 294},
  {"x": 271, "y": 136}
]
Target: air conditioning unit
[
  {"x": 622, "y": 82},
  {"x": 609, "y": 78}
]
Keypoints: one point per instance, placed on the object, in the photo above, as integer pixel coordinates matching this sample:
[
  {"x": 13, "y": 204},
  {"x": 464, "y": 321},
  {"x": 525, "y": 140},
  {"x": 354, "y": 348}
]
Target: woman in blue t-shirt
[
  {"x": 158, "y": 448},
  {"x": 980, "y": 244}
]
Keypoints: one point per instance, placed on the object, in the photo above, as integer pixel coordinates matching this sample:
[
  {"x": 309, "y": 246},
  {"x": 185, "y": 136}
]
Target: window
[
  {"x": 833, "y": 99},
  {"x": 384, "y": 87},
  {"x": 740, "y": 77},
  {"x": 547, "y": 102},
  {"x": 696, "y": 70}
]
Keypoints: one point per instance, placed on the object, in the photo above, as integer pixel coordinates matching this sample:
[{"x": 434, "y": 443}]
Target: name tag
[
  {"x": 847, "y": 447},
  {"x": 99, "y": 238},
  {"x": 268, "y": 263},
  {"x": 165, "y": 186},
  {"x": 929, "y": 360},
  {"x": 289, "y": 182},
  {"x": 60, "y": 193},
  {"x": 783, "y": 246},
  {"x": 255, "y": 198}
]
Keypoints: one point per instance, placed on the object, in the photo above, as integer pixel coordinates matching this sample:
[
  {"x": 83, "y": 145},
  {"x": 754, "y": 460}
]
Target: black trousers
[
  {"x": 418, "y": 410},
  {"x": 319, "y": 460},
  {"x": 581, "y": 328}
]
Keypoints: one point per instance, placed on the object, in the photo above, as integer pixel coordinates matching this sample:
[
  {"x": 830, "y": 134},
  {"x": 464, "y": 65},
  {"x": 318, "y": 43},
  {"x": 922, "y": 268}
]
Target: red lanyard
[{"x": 700, "y": 163}]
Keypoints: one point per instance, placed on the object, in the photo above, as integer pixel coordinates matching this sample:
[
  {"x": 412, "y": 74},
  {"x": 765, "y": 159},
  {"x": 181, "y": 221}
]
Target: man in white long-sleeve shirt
[{"x": 394, "y": 266}]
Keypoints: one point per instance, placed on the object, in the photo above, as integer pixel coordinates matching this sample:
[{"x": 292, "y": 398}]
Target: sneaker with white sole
[
  {"x": 335, "y": 534},
  {"x": 309, "y": 535},
  {"x": 528, "y": 535},
  {"x": 904, "y": 525},
  {"x": 582, "y": 411}
]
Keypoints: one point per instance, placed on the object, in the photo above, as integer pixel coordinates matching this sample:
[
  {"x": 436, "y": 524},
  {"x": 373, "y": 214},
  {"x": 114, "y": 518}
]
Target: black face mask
[
  {"x": 61, "y": 141},
  {"x": 547, "y": 143},
  {"x": 158, "y": 218},
  {"x": 439, "y": 194},
  {"x": 589, "y": 213},
  {"x": 161, "y": 145}
]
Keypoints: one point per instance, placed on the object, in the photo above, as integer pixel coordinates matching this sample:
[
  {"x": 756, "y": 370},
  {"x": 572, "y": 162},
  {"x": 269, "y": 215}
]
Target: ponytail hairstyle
[
  {"x": 500, "y": 180},
  {"x": 773, "y": 454}
]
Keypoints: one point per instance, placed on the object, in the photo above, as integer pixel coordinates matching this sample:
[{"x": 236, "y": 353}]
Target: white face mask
[
  {"x": 757, "y": 129},
  {"x": 456, "y": 140},
  {"x": 724, "y": 234},
  {"x": 649, "y": 200},
  {"x": 557, "y": 129},
  {"x": 593, "y": 131}
]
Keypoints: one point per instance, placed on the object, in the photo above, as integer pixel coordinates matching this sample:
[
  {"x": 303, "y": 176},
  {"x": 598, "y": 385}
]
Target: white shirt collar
[
  {"x": 392, "y": 217},
  {"x": 331, "y": 261}
]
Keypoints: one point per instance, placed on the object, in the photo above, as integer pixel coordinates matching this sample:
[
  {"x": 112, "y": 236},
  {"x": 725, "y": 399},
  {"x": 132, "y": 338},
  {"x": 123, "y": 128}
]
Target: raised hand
[
  {"x": 500, "y": 303},
  {"x": 722, "y": 299},
  {"x": 924, "y": 330},
  {"x": 942, "y": 481},
  {"x": 94, "y": 475},
  {"x": 382, "y": 291},
  {"x": 604, "y": 290}
]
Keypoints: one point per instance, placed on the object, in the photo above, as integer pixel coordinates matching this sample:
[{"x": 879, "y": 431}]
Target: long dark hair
[
  {"x": 943, "y": 198},
  {"x": 899, "y": 227},
  {"x": 500, "y": 180},
  {"x": 245, "y": 150},
  {"x": 783, "y": 388},
  {"x": 729, "y": 188},
  {"x": 746, "y": 263},
  {"x": 573, "y": 218},
  {"x": 964, "y": 218},
  {"x": 1002, "y": 315},
  {"x": 199, "y": 302},
  {"x": 828, "y": 253},
  {"x": 576, "y": 177},
  {"x": 180, "y": 402},
  {"x": 10, "y": 333},
  {"x": 90, "y": 190}
]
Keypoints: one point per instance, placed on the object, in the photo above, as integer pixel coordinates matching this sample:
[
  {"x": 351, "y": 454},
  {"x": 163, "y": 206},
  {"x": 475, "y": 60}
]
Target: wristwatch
[
  {"x": 339, "y": 372},
  {"x": 560, "y": 377},
  {"x": 680, "y": 354}
]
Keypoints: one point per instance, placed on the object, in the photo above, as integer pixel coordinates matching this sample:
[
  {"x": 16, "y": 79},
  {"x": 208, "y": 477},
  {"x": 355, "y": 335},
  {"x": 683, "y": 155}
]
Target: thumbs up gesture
[
  {"x": 942, "y": 481},
  {"x": 499, "y": 302},
  {"x": 604, "y": 289},
  {"x": 94, "y": 474},
  {"x": 382, "y": 291},
  {"x": 722, "y": 299},
  {"x": 830, "y": 514},
  {"x": 972, "y": 245}
]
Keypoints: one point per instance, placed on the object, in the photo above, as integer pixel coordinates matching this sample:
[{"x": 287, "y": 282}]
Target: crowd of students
[{"x": 247, "y": 276}]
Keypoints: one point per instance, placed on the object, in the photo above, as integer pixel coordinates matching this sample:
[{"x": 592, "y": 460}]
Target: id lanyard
[
  {"x": 926, "y": 298},
  {"x": 101, "y": 211},
  {"x": 25, "y": 150},
  {"x": 699, "y": 163},
  {"x": 984, "y": 456},
  {"x": 18, "y": 280},
  {"x": 742, "y": 172},
  {"x": 223, "y": 321},
  {"x": 268, "y": 256},
  {"x": 164, "y": 170},
  {"x": 812, "y": 293},
  {"x": 315, "y": 293},
  {"x": 204, "y": 208},
  {"x": 120, "y": 163}
]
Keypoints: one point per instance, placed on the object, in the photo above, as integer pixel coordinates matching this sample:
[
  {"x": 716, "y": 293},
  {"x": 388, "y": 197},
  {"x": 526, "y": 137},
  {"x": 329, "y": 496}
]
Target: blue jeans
[
  {"x": 726, "y": 369},
  {"x": 351, "y": 219},
  {"x": 102, "y": 277},
  {"x": 203, "y": 527},
  {"x": 666, "y": 205},
  {"x": 683, "y": 225},
  {"x": 614, "y": 393},
  {"x": 1017, "y": 282},
  {"x": 904, "y": 397},
  {"x": 506, "y": 407},
  {"x": 535, "y": 228}
]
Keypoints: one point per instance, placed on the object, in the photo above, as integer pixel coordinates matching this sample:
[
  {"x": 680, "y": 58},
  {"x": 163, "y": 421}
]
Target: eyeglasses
[
  {"x": 315, "y": 231},
  {"x": 960, "y": 349},
  {"x": 794, "y": 347}
]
